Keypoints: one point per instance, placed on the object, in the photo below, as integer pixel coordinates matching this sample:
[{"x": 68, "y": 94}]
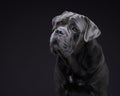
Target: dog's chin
[
  {"x": 57, "y": 51},
  {"x": 60, "y": 49},
  {"x": 54, "y": 49},
  {"x": 54, "y": 46}
]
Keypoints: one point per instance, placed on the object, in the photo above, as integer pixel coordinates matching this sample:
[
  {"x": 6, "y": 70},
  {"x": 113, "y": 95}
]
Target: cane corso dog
[{"x": 81, "y": 69}]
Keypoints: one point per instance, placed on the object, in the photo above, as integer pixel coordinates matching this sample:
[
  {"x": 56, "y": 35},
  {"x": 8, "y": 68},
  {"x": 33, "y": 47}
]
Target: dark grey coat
[{"x": 84, "y": 74}]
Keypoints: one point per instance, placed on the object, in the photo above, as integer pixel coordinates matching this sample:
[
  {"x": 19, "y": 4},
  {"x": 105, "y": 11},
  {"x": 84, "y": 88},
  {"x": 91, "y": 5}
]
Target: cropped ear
[{"x": 91, "y": 30}]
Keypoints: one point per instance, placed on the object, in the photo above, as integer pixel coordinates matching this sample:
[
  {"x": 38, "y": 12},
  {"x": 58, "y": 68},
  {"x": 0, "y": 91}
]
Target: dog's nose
[{"x": 59, "y": 32}]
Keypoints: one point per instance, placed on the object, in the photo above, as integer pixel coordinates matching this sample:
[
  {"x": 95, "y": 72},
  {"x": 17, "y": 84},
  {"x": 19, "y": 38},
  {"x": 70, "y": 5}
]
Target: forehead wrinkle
[
  {"x": 79, "y": 21},
  {"x": 64, "y": 16}
]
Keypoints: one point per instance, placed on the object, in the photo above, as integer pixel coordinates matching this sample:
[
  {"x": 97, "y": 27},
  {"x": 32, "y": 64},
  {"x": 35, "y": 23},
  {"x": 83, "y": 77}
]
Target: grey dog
[{"x": 81, "y": 69}]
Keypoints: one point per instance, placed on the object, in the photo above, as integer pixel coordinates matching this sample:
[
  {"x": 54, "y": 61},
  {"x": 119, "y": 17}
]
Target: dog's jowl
[{"x": 81, "y": 69}]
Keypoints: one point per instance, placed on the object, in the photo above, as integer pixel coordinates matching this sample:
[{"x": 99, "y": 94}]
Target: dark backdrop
[{"x": 26, "y": 64}]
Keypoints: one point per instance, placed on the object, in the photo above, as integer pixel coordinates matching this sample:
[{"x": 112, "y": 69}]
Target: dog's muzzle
[
  {"x": 55, "y": 37},
  {"x": 59, "y": 40},
  {"x": 59, "y": 32}
]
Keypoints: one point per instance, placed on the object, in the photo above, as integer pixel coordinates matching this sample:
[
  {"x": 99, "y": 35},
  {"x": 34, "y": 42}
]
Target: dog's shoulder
[{"x": 95, "y": 56}]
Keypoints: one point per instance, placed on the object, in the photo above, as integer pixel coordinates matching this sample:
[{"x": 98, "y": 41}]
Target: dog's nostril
[{"x": 59, "y": 32}]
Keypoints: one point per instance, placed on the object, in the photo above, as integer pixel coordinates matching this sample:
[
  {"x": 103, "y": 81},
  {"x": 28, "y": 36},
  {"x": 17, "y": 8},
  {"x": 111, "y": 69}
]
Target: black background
[{"x": 26, "y": 64}]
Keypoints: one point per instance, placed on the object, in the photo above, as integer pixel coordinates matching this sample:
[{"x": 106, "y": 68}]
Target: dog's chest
[{"x": 81, "y": 76}]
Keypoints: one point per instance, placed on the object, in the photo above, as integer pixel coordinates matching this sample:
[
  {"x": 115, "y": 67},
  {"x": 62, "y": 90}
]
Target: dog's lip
[
  {"x": 55, "y": 50},
  {"x": 55, "y": 42}
]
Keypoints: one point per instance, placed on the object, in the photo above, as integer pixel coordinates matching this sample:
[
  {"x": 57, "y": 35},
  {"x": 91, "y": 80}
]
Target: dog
[{"x": 81, "y": 69}]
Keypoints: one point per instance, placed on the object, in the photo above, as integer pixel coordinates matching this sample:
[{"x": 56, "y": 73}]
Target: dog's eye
[
  {"x": 60, "y": 23},
  {"x": 73, "y": 28}
]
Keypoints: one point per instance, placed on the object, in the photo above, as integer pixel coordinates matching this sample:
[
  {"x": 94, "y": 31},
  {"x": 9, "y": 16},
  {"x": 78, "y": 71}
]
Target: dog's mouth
[
  {"x": 55, "y": 42},
  {"x": 55, "y": 50},
  {"x": 56, "y": 47},
  {"x": 60, "y": 46}
]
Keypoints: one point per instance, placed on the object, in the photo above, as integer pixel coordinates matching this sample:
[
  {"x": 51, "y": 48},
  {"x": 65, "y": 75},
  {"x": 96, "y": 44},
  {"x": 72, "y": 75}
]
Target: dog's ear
[
  {"x": 65, "y": 12},
  {"x": 53, "y": 20},
  {"x": 91, "y": 30}
]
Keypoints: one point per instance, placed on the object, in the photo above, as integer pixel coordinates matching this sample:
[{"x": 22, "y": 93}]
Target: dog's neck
[{"x": 87, "y": 54}]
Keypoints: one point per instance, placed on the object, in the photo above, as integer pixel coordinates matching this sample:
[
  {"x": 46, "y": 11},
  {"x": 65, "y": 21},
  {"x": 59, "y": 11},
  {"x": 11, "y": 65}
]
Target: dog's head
[{"x": 70, "y": 30}]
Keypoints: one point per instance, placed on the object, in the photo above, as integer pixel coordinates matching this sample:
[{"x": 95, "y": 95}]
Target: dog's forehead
[
  {"x": 66, "y": 15},
  {"x": 63, "y": 16}
]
